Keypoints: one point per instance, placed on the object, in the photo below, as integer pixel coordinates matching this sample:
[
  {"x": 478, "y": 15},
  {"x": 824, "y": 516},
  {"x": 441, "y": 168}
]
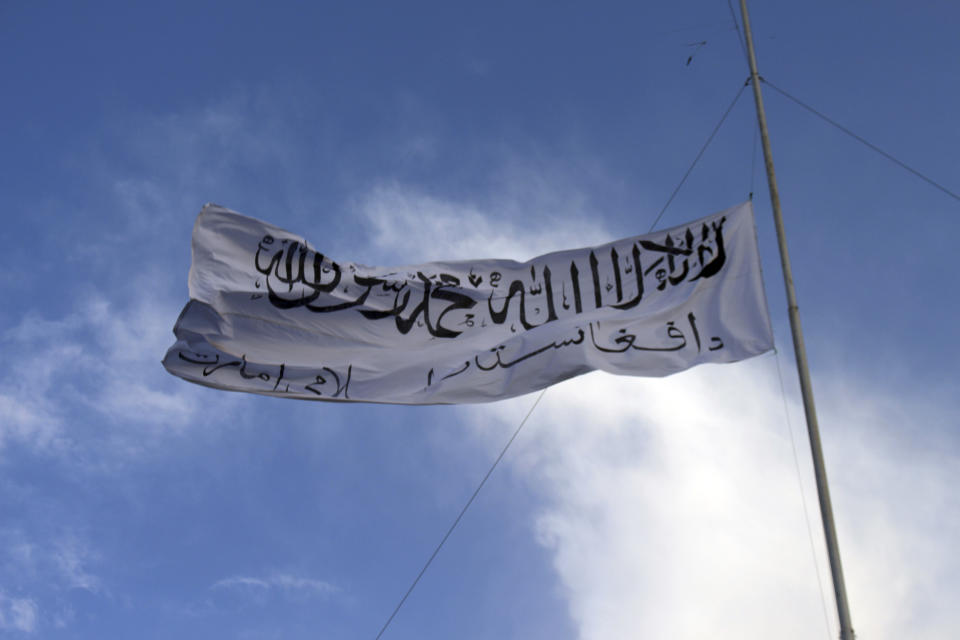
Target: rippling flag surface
[{"x": 269, "y": 313}]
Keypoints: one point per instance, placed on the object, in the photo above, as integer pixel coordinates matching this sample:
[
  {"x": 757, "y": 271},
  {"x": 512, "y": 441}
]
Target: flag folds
[{"x": 270, "y": 314}]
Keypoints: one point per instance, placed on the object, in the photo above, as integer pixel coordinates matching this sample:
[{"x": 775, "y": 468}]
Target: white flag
[{"x": 271, "y": 314}]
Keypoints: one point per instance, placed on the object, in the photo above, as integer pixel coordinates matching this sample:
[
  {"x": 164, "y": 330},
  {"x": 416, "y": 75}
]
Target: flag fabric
[{"x": 270, "y": 314}]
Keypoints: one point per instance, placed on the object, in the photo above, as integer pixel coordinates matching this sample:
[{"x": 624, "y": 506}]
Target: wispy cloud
[
  {"x": 102, "y": 359},
  {"x": 285, "y": 583},
  {"x": 410, "y": 226},
  {"x": 18, "y": 614},
  {"x": 44, "y": 566},
  {"x": 71, "y": 558}
]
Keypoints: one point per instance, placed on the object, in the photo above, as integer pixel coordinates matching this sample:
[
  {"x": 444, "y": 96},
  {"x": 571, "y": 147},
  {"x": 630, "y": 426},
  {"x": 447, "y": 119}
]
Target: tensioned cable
[
  {"x": 539, "y": 397},
  {"x": 746, "y": 56},
  {"x": 753, "y": 158},
  {"x": 459, "y": 517},
  {"x": 699, "y": 155},
  {"x": 859, "y": 139},
  {"x": 736, "y": 25},
  {"x": 783, "y": 396},
  {"x": 803, "y": 495}
]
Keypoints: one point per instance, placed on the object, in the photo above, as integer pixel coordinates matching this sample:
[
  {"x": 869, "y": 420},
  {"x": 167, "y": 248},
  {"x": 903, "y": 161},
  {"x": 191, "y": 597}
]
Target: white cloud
[
  {"x": 70, "y": 558},
  {"x": 18, "y": 614},
  {"x": 410, "y": 226},
  {"x": 26, "y": 411},
  {"x": 896, "y": 474},
  {"x": 673, "y": 509},
  {"x": 102, "y": 358},
  {"x": 283, "y": 582},
  {"x": 199, "y": 155},
  {"x": 45, "y": 567},
  {"x": 25, "y": 419}
]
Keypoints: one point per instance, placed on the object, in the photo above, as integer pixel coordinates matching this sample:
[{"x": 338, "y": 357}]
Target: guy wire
[
  {"x": 861, "y": 140},
  {"x": 540, "y": 396},
  {"x": 803, "y": 495},
  {"x": 462, "y": 511},
  {"x": 699, "y": 155}
]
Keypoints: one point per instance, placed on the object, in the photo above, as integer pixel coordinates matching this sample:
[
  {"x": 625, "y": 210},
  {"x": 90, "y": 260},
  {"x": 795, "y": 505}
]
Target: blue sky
[{"x": 137, "y": 505}]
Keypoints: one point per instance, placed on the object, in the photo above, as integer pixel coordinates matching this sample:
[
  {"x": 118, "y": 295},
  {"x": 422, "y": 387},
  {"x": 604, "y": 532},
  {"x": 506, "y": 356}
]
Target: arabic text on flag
[{"x": 271, "y": 314}]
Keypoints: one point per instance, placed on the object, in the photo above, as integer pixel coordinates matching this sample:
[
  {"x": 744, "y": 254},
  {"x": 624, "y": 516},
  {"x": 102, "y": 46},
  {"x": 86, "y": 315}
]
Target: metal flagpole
[{"x": 823, "y": 491}]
